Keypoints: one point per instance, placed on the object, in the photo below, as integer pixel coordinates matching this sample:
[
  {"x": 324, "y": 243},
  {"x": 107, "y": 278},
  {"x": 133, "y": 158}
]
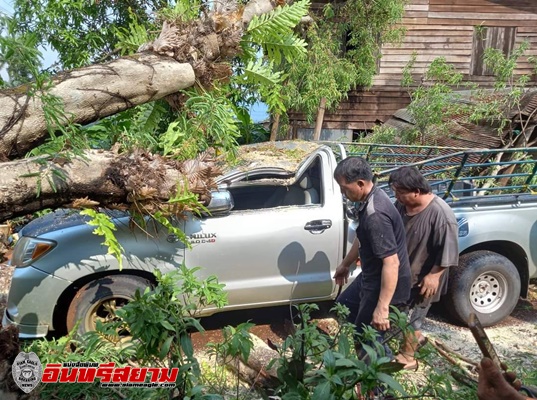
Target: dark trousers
[{"x": 361, "y": 309}]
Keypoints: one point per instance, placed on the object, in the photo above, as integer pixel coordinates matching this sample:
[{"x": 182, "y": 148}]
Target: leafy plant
[
  {"x": 313, "y": 365},
  {"x": 433, "y": 99},
  {"x": 162, "y": 320},
  {"x": 273, "y": 31},
  {"x": 236, "y": 346},
  {"x": 105, "y": 227}
]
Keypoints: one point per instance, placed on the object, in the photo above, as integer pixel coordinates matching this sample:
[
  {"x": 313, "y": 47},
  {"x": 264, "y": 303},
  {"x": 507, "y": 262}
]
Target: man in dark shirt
[
  {"x": 381, "y": 247},
  {"x": 432, "y": 240}
]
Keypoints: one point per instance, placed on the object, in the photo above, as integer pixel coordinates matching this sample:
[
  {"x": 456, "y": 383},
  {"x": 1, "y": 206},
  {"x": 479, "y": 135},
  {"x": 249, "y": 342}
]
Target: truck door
[{"x": 273, "y": 255}]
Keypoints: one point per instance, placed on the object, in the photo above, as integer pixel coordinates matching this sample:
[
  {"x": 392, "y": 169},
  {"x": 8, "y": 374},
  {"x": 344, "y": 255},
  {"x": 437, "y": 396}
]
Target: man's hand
[
  {"x": 341, "y": 276},
  {"x": 493, "y": 385},
  {"x": 430, "y": 283},
  {"x": 380, "y": 319}
]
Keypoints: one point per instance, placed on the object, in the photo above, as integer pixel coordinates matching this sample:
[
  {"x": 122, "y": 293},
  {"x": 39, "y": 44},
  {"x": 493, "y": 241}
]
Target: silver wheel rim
[
  {"x": 488, "y": 292},
  {"x": 104, "y": 310}
]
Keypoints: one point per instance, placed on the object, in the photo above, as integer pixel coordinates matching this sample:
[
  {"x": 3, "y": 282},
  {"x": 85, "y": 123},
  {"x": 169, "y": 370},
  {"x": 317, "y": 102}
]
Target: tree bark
[
  {"x": 254, "y": 370},
  {"x": 98, "y": 178},
  {"x": 275, "y": 127},
  {"x": 89, "y": 94},
  {"x": 320, "y": 119}
]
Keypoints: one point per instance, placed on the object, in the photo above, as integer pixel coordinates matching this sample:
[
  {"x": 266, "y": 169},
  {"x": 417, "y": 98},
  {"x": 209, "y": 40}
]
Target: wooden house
[{"x": 460, "y": 31}]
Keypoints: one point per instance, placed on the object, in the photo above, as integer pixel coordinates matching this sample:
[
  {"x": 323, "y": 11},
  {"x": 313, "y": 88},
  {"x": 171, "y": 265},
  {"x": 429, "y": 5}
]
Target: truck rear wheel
[
  {"x": 485, "y": 283},
  {"x": 99, "y": 299}
]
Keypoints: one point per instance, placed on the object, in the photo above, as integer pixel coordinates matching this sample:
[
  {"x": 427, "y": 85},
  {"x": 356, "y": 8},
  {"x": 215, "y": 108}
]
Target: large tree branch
[
  {"x": 88, "y": 94},
  {"x": 100, "y": 178}
]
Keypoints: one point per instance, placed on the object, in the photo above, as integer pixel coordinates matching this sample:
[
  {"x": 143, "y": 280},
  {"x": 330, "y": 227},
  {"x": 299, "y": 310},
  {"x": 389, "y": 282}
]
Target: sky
[
  {"x": 258, "y": 111},
  {"x": 5, "y": 6}
]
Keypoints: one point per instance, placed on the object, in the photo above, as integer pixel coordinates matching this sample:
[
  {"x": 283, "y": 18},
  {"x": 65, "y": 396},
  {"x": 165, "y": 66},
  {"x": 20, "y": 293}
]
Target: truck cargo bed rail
[{"x": 453, "y": 172}]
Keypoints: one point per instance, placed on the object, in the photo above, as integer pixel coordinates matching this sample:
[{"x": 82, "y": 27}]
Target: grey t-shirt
[{"x": 432, "y": 239}]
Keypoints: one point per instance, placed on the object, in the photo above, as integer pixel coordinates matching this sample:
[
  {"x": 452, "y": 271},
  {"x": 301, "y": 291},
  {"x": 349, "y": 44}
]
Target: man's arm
[
  {"x": 342, "y": 272},
  {"x": 390, "y": 273}
]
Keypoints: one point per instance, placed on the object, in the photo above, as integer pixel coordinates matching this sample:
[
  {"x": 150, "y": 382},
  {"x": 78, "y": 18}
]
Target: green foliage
[
  {"x": 259, "y": 72},
  {"x": 81, "y": 31},
  {"x": 19, "y": 55},
  {"x": 370, "y": 23},
  {"x": 250, "y": 132},
  {"x": 161, "y": 321},
  {"x": 130, "y": 38},
  {"x": 343, "y": 52},
  {"x": 105, "y": 227},
  {"x": 182, "y": 11},
  {"x": 495, "y": 108},
  {"x": 211, "y": 122},
  {"x": 143, "y": 130},
  {"x": 381, "y": 134},
  {"x": 273, "y": 31},
  {"x": 435, "y": 103},
  {"x": 236, "y": 345},
  {"x": 433, "y": 99},
  {"x": 504, "y": 66},
  {"x": 268, "y": 41},
  {"x": 322, "y": 73},
  {"x": 313, "y": 365},
  {"x": 64, "y": 136}
]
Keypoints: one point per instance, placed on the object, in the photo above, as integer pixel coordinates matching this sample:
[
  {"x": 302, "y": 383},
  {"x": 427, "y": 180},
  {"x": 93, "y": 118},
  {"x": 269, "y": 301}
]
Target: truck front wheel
[
  {"x": 485, "y": 283},
  {"x": 99, "y": 300}
]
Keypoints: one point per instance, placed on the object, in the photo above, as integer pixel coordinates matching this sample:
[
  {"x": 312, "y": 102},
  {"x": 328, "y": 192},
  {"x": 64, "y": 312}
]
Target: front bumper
[
  {"x": 25, "y": 331},
  {"x": 31, "y": 302}
]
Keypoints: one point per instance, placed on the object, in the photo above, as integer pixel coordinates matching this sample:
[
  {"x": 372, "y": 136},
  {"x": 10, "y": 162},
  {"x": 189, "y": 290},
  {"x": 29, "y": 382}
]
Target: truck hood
[{"x": 61, "y": 219}]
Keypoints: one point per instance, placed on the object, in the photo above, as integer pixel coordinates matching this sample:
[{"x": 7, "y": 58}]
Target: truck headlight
[{"x": 30, "y": 249}]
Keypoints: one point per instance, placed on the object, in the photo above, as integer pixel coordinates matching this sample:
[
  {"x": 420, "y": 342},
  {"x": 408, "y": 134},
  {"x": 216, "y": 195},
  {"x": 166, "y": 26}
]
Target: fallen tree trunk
[
  {"x": 254, "y": 370},
  {"x": 182, "y": 55},
  {"x": 99, "y": 178},
  {"x": 89, "y": 94}
]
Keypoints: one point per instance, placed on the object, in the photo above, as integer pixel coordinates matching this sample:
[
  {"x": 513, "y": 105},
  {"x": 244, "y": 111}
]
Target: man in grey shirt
[{"x": 432, "y": 242}]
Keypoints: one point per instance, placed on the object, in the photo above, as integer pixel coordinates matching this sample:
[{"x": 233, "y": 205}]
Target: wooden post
[{"x": 319, "y": 121}]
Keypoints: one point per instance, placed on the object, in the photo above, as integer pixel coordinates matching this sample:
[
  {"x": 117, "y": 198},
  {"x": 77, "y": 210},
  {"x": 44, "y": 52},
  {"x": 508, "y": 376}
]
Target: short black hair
[
  {"x": 409, "y": 179},
  {"x": 353, "y": 169}
]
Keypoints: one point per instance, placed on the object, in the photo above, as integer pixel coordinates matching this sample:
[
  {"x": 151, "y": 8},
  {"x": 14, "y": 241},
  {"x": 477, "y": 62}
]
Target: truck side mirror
[{"x": 221, "y": 203}]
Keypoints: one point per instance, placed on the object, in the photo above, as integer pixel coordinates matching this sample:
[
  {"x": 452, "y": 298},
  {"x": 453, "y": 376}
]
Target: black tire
[
  {"x": 485, "y": 283},
  {"x": 100, "y": 298}
]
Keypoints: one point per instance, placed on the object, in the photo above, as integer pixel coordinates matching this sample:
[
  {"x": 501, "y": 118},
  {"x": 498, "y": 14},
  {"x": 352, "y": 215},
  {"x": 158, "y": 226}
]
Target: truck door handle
[{"x": 318, "y": 225}]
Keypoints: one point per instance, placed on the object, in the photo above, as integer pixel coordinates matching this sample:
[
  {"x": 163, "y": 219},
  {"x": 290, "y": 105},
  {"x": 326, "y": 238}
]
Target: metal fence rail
[{"x": 453, "y": 172}]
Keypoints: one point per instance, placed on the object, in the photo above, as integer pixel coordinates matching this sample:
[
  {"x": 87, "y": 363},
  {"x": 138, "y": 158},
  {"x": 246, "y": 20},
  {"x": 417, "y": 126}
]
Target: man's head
[
  {"x": 409, "y": 185},
  {"x": 354, "y": 177}
]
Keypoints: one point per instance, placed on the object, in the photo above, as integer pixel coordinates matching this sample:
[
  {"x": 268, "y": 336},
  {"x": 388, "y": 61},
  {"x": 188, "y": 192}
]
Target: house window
[{"x": 490, "y": 37}]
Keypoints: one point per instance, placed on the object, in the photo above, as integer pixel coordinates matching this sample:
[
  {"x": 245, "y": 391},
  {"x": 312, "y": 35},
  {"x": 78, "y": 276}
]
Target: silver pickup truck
[{"x": 278, "y": 227}]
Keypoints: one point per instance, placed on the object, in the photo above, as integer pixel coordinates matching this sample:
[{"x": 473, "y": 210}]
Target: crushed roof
[{"x": 285, "y": 155}]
